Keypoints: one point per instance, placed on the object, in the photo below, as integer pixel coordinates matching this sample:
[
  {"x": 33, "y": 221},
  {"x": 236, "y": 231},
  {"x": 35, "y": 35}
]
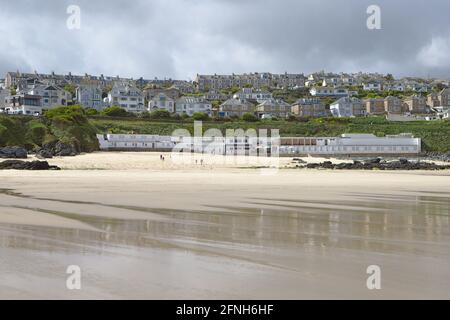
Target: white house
[
  {"x": 348, "y": 107},
  {"x": 328, "y": 92},
  {"x": 250, "y": 94},
  {"x": 90, "y": 97},
  {"x": 126, "y": 96},
  {"x": 372, "y": 86},
  {"x": 52, "y": 95},
  {"x": 394, "y": 86},
  {"x": 191, "y": 105},
  {"x": 23, "y": 104},
  {"x": 161, "y": 102}
]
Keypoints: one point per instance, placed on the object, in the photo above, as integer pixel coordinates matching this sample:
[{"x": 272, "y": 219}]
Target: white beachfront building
[
  {"x": 191, "y": 105},
  {"x": 346, "y": 144},
  {"x": 352, "y": 144},
  {"x": 135, "y": 142}
]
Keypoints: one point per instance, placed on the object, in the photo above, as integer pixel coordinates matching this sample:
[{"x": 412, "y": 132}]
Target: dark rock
[
  {"x": 401, "y": 164},
  {"x": 64, "y": 150},
  {"x": 375, "y": 160},
  {"x": 13, "y": 153},
  {"x": 58, "y": 148},
  {"x": 44, "y": 154},
  {"x": 298, "y": 160},
  {"x": 438, "y": 156},
  {"x": 27, "y": 165}
]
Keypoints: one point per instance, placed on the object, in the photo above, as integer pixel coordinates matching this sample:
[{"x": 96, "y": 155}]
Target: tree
[
  {"x": 389, "y": 77},
  {"x": 13, "y": 90},
  {"x": 70, "y": 88},
  {"x": 439, "y": 87},
  {"x": 184, "y": 115},
  {"x": 249, "y": 117}
]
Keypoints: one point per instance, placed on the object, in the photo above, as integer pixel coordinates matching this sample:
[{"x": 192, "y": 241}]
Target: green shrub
[
  {"x": 36, "y": 132},
  {"x": 115, "y": 111},
  {"x": 91, "y": 112},
  {"x": 249, "y": 117},
  {"x": 160, "y": 114},
  {"x": 200, "y": 116}
]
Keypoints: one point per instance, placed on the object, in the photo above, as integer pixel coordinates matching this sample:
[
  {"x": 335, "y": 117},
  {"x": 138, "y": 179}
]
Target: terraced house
[
  {"x": 416, "y": 104},
  {"x": 16, "y": 78},
  {"x": 256, "y": 80},
  {"x": 394, "y": 105},
  {"x": 236, "y": 108},
  {"x": 312, "y": 107},
  {"x": 273, "y": 108},
  {"x": 441, "y": 99},
  {"x": 375, "y": 106}
]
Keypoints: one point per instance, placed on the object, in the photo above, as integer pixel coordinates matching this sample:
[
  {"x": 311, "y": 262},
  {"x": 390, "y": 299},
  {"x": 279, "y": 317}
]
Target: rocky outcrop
[
  {"x": 44, "y": 154},
  {"x": 438, "y": 156},
  {"x": 65, "y": 150},
  {"x": 13, "y": 153},
  {"x": 377, "y": 164},
  {"x": 298, "y": 160},
  {"x": 58, "y": 149},
  {"x": 26, "y": 165}
]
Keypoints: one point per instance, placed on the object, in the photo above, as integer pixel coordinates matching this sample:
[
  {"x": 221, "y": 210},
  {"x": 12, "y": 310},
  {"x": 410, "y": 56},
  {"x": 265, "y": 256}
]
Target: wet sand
[{"x": 223, "y": 233}]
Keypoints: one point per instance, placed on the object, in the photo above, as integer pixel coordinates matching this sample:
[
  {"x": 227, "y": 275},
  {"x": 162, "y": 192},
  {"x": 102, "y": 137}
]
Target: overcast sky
[{"x": 180, "y": 38}]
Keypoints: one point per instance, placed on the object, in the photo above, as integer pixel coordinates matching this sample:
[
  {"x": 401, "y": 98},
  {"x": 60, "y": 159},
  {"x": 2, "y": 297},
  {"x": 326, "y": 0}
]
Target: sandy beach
[{"x": 143, "y": 228}]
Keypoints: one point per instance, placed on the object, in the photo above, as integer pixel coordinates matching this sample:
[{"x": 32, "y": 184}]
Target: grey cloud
[{"x": 178, "y": 38}]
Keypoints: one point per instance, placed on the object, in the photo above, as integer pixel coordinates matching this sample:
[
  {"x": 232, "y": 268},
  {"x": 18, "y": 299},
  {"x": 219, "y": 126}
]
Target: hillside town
[{"x": 252, "y": 96}]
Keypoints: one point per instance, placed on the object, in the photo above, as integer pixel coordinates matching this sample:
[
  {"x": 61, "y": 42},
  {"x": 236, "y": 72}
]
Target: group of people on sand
[
  {"x": 201, "y": 161},
  {"x": 162, "y": 158}
]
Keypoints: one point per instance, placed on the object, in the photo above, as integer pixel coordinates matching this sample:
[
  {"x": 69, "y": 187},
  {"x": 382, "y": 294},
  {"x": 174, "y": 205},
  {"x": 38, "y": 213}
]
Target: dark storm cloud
[{"x": 178, "y": 38}]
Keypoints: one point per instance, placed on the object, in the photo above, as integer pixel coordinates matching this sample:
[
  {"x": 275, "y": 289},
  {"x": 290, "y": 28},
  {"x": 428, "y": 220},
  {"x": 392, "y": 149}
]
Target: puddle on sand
[{"x": 294, "y": 244}]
